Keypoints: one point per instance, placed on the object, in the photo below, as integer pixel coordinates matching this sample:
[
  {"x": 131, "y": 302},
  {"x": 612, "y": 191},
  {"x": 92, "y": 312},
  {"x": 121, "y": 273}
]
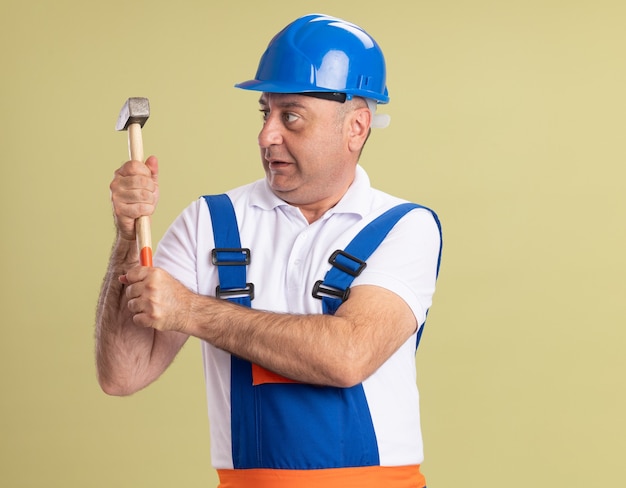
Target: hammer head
[{"x": 135, "y": 111}]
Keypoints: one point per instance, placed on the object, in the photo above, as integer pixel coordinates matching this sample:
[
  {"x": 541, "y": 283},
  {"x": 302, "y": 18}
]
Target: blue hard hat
[{"x": 318, "y": 53}]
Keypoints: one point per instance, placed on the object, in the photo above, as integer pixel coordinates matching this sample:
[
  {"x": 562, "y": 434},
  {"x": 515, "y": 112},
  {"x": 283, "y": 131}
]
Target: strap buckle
[
  {"x": 248, "y": 291},
  {"x": 320, "y": 291},
  {"x": 351, "y": 264},
  {"x": 234, "y": 259}
]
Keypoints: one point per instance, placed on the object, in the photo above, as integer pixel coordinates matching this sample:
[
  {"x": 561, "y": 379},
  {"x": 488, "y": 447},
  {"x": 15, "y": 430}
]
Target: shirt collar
[{"x": 355, "y": 201}]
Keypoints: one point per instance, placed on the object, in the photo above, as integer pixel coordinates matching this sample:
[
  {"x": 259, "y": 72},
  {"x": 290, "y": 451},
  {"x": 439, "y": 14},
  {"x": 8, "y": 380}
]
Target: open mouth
[{"x": 275, "y": 165}]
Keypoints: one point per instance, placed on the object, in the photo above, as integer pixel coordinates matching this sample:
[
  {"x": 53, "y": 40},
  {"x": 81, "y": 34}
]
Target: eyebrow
[{"x": 282, "y": 104}]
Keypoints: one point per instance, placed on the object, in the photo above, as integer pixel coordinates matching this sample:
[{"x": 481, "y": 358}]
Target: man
[{"x": 297, "y": 397}]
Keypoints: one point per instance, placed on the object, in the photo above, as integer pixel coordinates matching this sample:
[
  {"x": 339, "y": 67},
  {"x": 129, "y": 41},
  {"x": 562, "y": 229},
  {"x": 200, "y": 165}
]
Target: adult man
[{"x": 296, "y": 397}]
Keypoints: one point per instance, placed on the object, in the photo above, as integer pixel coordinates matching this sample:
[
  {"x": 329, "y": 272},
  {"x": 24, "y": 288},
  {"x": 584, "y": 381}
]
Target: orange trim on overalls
[
  {"x": 364, "y": 477},
  {"x": 261, "y": 376}
]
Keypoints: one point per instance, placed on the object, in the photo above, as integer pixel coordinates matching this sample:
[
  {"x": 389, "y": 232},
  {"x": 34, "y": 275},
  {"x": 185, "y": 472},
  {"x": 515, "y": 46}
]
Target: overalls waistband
[{"x": 362, "y": 477}]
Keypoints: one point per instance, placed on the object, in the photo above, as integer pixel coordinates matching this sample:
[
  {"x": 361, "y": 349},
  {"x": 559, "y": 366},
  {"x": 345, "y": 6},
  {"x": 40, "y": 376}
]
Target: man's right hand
[{"x": 134, "y": 193}]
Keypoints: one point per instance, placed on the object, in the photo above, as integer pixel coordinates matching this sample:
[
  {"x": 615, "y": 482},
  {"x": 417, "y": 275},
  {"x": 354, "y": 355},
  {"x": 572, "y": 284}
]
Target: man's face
[{"x": 305, "y": 149}]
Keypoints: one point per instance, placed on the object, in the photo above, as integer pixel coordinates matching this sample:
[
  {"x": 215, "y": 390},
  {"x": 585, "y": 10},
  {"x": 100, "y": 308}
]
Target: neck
[{"x": 316, "y": 211}]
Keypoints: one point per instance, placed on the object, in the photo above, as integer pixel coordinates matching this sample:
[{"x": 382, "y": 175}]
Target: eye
[
  {"x": 290, "y": 117},
  {"x": 287, "y": 117}
]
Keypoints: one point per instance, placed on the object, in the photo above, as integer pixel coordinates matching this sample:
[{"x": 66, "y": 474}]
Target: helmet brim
[{"x": 281, "y": 87}]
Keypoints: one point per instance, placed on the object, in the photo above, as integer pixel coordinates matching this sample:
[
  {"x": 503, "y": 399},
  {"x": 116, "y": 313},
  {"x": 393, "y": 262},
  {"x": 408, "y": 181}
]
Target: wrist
[{"x": 125, "y": 252}]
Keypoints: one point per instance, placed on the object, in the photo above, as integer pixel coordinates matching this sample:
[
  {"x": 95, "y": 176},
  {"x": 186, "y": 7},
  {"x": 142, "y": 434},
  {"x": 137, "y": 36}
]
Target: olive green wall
[{"x": 507, "y": 118}]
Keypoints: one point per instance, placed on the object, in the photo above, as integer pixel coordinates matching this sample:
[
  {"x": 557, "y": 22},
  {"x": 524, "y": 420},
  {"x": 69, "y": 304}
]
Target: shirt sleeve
[
  {"x": 407, "y": 261},
  {"x": 177, "y": 250}
]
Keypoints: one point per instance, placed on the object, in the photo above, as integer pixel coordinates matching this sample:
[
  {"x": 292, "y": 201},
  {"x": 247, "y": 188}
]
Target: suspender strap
[
  {"x": 229, "y": 257},
  {"x": 348, "y": 264}
]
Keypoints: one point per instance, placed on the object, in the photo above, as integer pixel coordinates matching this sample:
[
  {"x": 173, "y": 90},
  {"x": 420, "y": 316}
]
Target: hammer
[{"x": 132, "y": 117}]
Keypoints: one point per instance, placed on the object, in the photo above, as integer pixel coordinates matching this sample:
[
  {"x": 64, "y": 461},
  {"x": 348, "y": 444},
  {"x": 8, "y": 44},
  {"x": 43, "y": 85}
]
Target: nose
[{"x": 271, "y": 133}]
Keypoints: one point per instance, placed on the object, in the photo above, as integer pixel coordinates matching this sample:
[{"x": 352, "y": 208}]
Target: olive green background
[{"x": 507, "y": 118}]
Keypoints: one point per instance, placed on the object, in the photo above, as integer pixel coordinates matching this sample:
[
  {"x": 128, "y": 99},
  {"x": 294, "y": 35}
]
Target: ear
[{"x": 359, "y": 128}]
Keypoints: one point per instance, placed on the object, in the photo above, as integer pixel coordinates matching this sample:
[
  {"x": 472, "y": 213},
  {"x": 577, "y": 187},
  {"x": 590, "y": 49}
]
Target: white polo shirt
[{"x": 288, "y": 255}]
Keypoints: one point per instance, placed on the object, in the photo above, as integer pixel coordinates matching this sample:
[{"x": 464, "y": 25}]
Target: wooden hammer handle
[{"x": 142, "y": 224}]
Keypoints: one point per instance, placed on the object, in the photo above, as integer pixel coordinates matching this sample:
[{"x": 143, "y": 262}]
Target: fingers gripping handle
[{"x": 142, "y": 224}]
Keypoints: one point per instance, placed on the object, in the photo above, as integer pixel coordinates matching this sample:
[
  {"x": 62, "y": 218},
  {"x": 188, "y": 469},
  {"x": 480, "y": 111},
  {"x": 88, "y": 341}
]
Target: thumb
[{"x": 153, "y": 165}]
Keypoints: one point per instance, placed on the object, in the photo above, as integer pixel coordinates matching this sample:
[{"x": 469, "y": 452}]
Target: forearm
[
  {"x": 122, "y": 349},
  {"x": 340, "y": 350},
  {"x": 335, "y": 350},
  {"x": 277, "y": 342}
]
